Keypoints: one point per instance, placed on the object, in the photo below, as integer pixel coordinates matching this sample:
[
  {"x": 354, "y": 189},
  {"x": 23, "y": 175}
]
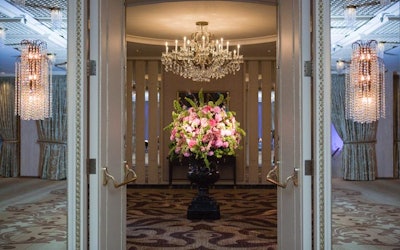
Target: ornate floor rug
[
  {"x": 360, "y": 224},
  {"x": 156, "y": 219},
  {"x": 35, "y": 225}
]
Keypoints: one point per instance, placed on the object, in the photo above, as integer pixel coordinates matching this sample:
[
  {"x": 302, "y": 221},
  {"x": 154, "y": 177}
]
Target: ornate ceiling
[{"x": 152, "y": 22}]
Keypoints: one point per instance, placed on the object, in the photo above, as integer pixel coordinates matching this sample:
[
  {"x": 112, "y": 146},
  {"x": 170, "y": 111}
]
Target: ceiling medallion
[{"x": 202, "y": 58}]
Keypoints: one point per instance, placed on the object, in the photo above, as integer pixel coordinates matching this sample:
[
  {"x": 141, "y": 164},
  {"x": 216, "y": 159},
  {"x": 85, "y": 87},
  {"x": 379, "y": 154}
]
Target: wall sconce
[
  {"x": 365, "y": 84},
  {"x": 33, "y": 95}
]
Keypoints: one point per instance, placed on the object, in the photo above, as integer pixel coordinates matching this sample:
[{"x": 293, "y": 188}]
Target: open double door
[{"x": 96, "y": 117}]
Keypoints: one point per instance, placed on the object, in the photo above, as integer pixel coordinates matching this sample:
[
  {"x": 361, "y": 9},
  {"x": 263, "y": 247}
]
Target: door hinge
[
  {"x": 91, "y": 166},
  {"x": 308, "y": 167},
  {"x": 308, "y": 68},
  {"x": 91, "y": 67}
]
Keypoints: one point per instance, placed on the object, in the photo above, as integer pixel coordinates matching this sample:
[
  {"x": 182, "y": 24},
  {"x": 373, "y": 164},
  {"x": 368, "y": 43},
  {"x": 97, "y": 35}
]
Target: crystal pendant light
[
  {"x": 365, "y": 84},
  {"x": 33, "y": 82},
  {"x": 56, "y": 18},
  {"x": 2, "y": 35},
  {"x": 350, "y": 14}
]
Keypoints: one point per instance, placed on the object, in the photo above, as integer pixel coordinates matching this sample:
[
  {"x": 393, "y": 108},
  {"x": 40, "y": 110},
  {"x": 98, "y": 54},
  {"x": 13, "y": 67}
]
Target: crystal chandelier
[
  {"x": 33, "y": 96},
  {"x": 365, "y": 84},
  {"x": 202, "y": 58}
]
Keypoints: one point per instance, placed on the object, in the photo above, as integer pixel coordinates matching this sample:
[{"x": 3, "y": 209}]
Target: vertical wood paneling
[
  {"x": 248, "y": 170},
  {"x": 129, "y": 114},
  {"x": 252, "y": 116},
  {"x": 242, "y": 170},
  {"x": 140, "y": 168},
  {"x": 153, "y": 116},
  {"x": 267, "y": 74}
]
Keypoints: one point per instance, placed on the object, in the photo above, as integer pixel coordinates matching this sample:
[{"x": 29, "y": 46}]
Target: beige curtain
[
  {"x": 359, "y": 139},
  {"x": 9, "y": 153}
]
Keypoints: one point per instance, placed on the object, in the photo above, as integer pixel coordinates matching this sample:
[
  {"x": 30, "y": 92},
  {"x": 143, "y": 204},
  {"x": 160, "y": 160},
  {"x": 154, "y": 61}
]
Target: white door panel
[
  {"x": 107, "y": 200},
  {"x": 107, "y": 125},
  {"x": 303, "y": 124}
]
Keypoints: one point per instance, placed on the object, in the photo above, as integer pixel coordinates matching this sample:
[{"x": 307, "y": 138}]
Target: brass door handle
[
  {"x": 130, "y": 176},
  {"x": 272, "y": 177}
]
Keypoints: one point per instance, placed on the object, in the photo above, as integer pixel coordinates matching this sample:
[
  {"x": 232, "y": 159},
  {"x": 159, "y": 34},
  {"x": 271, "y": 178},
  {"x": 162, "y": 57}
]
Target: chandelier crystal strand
[
  {"x": 33, "y": 82},
  {"x": 202, "y": 58},
  {"x": 365, "y": 84}
]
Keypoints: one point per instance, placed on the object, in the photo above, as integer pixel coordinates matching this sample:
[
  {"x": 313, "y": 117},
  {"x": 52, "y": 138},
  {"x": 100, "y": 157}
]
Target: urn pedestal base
[{"x": 203, "y": 207}]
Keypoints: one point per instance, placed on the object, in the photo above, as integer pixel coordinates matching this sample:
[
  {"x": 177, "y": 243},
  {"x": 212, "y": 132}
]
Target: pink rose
[
  {"x": 191, "y": 143},
  {"x": 212, "y": 122}
]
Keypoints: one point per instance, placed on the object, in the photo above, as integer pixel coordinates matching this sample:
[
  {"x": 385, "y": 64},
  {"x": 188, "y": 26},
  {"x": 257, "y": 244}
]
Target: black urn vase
[{"x": 203, "y": 206}]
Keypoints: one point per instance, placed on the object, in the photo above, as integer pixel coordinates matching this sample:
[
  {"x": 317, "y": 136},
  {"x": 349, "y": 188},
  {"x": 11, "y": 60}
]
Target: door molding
[
  {"x": 76, "y": 113},
  {"x": 322, "y": 124}
]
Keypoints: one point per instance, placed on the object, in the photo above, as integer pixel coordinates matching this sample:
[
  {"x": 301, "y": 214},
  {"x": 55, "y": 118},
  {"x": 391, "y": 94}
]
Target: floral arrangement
[{"x": 203, "y": 130}]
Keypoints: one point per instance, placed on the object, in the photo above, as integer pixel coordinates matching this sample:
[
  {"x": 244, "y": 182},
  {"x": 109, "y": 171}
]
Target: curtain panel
[
  {"x": 359, "y": 139},
  {"x": 9, "y": 135},
  {"x": 396, "y": 123},
  {"x": 52, "y": 134}
]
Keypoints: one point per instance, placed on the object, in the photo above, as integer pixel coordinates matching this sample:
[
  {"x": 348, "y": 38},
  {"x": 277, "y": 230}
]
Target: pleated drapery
[
  {"x": 396, "y": 129},
  {"x": 359, "y": 139},
  {"x": 9, "y": 153},
  {"x": 52, "y": 134}
]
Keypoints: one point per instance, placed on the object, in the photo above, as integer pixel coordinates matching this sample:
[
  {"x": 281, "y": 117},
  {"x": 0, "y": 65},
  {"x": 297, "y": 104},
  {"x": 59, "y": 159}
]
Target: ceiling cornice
[
  {"x": 246, "y": 41},
  {"x": 130, "y": 3}
]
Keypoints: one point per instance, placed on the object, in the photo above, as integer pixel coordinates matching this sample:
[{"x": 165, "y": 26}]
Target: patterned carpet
[
  {"x": 157, "y": 220},
  {"x": 35, "y": 225},
  {"x": 360, "y": 224}
]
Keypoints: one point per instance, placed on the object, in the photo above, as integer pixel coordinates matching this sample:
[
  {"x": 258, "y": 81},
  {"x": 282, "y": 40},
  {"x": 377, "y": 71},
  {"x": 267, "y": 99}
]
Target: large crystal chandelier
[
  {"x": 33, "y": 96},
  {"x": 201, "y": 57},
  {"x": 365, "y": 84}
]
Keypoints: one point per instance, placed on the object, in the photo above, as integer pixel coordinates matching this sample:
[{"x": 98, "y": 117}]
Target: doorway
[
  {"x": 108, "y": 202},
  {"x": 250, "y": 93},
  {"x": 366, "y": 190},
  {"x": 33, "y": 159}
]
